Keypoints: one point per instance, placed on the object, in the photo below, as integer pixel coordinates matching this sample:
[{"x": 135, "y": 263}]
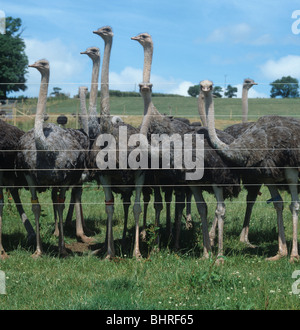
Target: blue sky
[{"x": 224, "y": 41}]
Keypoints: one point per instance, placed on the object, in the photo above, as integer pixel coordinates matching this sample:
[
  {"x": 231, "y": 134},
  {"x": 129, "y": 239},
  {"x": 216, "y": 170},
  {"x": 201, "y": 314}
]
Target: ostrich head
[
  {"x": 92, "y": 52},
  {"x": 248, "y": 83},
  {"x": 82, "y": 89},
  {"x": 105, "y": 32},
  {"x": 145, "y": 87},
  {"x": 206, "y": 86},
  {"x": 143, "y": 39},
  {"x": 41, "y": 65}
]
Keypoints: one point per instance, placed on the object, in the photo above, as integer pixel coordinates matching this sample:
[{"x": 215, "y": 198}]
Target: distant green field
[{"x": 130, "y": 109}]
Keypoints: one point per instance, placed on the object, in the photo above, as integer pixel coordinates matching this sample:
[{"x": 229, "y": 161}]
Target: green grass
[
  {"x": 165, "y": 280},
  {"x": 161, "y": 280}
]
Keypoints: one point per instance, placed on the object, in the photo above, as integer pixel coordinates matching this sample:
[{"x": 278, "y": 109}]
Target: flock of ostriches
[{"x": 50, "y": 156}]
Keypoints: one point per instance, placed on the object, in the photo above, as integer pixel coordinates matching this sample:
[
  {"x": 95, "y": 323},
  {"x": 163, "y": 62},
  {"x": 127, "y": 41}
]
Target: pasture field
[{"x": 164, "y": 279}]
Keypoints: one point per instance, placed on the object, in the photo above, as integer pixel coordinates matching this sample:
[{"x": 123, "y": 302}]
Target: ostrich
[
  {"x": 154, "y": 122},
  {"x": 270, "y": 149},
  {"x": 77, "y": 191},
  {"x": 236, "y": 130},
  {"x": 119, "y": 180},
  {"x": 216, "y": 176},
  {"x": 51, "y": 156},
  {"x": 9, "y": 139}
]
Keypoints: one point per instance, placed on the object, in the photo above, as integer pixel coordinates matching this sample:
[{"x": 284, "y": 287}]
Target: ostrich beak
[
  {"x": 34, "y": 65},
  {"x": 85, "y": 52},
  {"x": 135, "y": 38}
]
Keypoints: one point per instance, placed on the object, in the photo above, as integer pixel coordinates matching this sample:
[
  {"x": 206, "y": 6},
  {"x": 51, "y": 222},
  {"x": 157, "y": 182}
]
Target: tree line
[{"x": 14, "y": 64}]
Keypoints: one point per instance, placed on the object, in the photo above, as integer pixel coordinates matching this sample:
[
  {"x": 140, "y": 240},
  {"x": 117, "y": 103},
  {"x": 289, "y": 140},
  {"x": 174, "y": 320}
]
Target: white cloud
[
  {"x": 65, "y": 69},
  {"x": 252, "y": 94},
  {"x": 129, "y": 78},
  {"x": 286, "y": 66},
  {"x": 182, "y": 88},
  {"x": 234, "y": 33}
]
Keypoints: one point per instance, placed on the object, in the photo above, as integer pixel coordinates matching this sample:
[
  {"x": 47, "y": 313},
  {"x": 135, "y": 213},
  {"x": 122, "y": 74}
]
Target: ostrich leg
[
  {"x": 25, "y": 221},
  {"x": 54, "y": 204},
  {"x": 278, "y": 205},
  {"x": 126, "y": 204},
  {"x": 168, "y": 200},
  {"x": 36, "y": 209},
  {"x": 179, "y": 207},
  {"x": 251, "y": 198},
  {"x": 202, "y": 209},
  {"x": 80, "y": 232},
  {"x": 220, "y": 213},
  {"x": 146, "y": 197},
  {"x": 109, "y": 208},
  {"x": 292, "y": 178},
  {"x": 3, "y": 254},
  {"x": 60, "y": 209},
  {"x": 137, "y": 210},
  {"x": 158, "y": 206}
]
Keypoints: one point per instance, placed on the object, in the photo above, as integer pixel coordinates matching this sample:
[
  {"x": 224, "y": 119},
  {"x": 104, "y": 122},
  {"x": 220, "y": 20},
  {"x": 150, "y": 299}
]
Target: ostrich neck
[
  {"x": 245, "y": 105},
  {"x": 40, "y": 139},
  {"x": 93, "y": 125},
  {"x": 225, "y": 151},
  {"x": 105, "y": 122},
  {"x": 201, "y": 109},
  {"x": 150, "y": 112},
  {"x": 94, "y": 88},
  {"x": 148, "y": 54},
  {"x": 83, "y": 118}
]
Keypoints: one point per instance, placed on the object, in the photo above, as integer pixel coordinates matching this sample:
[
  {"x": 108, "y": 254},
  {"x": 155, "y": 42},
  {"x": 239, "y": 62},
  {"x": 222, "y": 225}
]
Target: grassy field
[{"x": 164, "y": 280}]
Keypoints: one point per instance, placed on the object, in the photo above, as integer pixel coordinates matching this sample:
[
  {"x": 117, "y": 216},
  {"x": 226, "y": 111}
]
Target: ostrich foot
[
  {"x": 248, "y": 244},
  {"x": 108, "y": 257},
  {"x": 220, "y": 261},
  {"x": 294, "y": 258},
  {"x": 137, "y": 255},
  {"x": 56, "y": 232},
  {"x": 63, "y": 253},
  {"x": 143, "y": 235},
  {"x": 188, "y": 222},
  {"x": 277, "y": 257},
  {"x": 3, "y": 255},
  {"x": 85, "y": 239},
  {"x": 37, "y": 254}
]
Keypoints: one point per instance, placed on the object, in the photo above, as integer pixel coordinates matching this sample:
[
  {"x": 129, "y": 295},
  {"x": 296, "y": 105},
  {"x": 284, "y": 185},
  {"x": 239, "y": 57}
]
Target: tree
[
  {"x": 230, "y": 91},
  {"x": 217, "y": 91},
  {"x": 195, "y": 90},
  {"x": 13, "y": 60},
  {"x": 285, "y": 87}
]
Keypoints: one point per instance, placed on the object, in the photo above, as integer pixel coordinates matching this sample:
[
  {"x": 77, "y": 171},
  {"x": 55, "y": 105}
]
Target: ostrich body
[
  {"x": 215, "y": 176},
  {"x": 270, "y": 149},
  {"x": 9, "y": 145},
  {"x": 53, "y": 157}
]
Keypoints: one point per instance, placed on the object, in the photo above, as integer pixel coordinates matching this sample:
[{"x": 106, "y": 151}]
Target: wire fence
[{"x": 21, "y": 113}]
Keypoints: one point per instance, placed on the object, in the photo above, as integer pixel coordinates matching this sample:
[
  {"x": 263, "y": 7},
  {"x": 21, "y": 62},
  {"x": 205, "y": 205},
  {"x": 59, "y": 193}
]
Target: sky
[{"x": 224, "y": 41}]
